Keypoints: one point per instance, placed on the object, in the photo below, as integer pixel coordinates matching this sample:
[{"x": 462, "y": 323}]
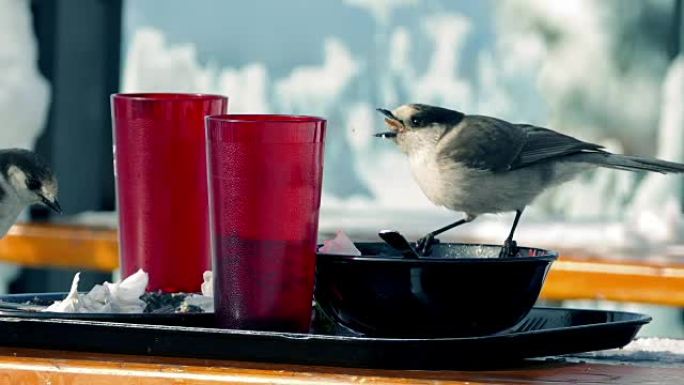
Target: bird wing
[
  {"x": 491, "y": 144},
  {"x": 542, "y": 143},
  {"x": 483, "y": 143}
]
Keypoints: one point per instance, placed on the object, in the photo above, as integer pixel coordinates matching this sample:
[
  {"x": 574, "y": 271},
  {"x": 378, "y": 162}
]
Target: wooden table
[
  {"x": 29, "y": 367},
  {"x": 576, "y": 275}
]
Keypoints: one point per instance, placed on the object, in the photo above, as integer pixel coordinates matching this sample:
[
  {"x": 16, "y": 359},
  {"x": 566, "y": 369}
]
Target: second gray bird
[
  {"x": 25, "y": 179},
  {"x": 479, "y": 164}
]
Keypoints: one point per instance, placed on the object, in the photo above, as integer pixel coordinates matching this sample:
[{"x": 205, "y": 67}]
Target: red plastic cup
[
  {"x": 160, "y": 169},
  {"x": 265, "y": 174}
]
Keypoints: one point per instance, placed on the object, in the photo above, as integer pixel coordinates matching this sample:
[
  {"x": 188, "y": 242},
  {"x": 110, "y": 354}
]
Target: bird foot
[
  {"x": 509, "y": 249},
  {"x": 424, "y": 245}
]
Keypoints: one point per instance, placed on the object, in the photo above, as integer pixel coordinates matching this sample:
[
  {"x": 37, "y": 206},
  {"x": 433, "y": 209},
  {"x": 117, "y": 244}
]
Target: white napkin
[
  {"x": 205, "y": 301},
  {"x": 341, "y": 244},
  {"x": 70, "y": 302},
  {"x": 124, "y": 296},
  {"x": 120, "y": 297}
]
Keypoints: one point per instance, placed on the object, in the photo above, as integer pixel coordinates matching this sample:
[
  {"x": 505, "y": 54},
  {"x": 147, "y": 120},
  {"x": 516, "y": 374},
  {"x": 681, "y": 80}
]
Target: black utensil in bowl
[
  {"x": 398, "y": 242},
  {"x": 460, "y": 290}
]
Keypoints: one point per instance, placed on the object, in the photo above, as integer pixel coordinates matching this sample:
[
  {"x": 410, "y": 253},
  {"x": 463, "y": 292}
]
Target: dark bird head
[
  {"x": 418, "y": 123},
  {"x": 30, "y": 177}
]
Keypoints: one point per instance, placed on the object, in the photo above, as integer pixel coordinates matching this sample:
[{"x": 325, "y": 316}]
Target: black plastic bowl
[{"x": 460, "y": 290}]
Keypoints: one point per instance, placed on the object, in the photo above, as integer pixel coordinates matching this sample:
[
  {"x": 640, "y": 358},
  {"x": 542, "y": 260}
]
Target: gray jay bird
[
  {"x": 25, "y": 179},
  {"x": 479, "y": 164}
]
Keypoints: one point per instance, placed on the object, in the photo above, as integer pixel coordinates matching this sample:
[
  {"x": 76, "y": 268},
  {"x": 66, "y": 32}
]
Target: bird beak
[
  {"x": 386, "y": 135},
  {"x": 388, "y": 114},
  {"x": 54, "y": 205},
  {"x": 391, "y": 121}
]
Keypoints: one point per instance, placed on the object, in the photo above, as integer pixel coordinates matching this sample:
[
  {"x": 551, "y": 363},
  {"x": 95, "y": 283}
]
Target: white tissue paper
[
  {"x": 205, "y": 301},
  {"x": 70, "y": 302},
  {"x": 208, "y": 284},
  {"x": 120, "y": 297},
  {"x": 341, "y": 244},
  {"x": 124, "y": 296}
]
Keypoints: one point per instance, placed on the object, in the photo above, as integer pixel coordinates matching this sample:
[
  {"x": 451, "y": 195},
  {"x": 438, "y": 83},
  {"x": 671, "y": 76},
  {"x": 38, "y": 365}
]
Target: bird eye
[
  {"x": 415, "y": 122},
  {"x": 33, "y": 184}
]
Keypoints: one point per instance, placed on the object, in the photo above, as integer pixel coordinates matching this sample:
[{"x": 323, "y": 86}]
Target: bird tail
[{"x": 628, "y": 162}]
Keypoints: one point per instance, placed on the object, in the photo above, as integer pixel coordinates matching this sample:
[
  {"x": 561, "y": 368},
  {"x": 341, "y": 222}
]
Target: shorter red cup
[{"x": 265, "y": 174}]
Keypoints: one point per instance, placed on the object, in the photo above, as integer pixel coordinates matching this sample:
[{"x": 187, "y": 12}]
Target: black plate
[
  {"x": 544, "y": 332},
  {"x": 184, "y": 319}
]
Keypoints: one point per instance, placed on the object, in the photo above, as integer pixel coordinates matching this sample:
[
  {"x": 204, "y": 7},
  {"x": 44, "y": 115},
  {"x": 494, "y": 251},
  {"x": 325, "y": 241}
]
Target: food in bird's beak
[{"x": 394, "y": 124}]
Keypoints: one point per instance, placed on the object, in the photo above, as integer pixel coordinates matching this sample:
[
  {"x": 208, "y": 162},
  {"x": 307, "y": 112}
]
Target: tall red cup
[
  {"x": 265, "y": 175},
  {"x": 160, "y": 169}
]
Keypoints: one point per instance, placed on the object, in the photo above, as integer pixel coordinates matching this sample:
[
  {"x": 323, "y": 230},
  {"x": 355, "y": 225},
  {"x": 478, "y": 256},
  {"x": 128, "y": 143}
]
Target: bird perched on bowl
[
  {"x": 480, "y": 164},
  {"x": 25, "y": 179}
]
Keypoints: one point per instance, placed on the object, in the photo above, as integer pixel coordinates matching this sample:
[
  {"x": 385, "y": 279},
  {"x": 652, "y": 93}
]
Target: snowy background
[
  {"x": 597, "y": 69},
  {"x": 603, "y": 70}
]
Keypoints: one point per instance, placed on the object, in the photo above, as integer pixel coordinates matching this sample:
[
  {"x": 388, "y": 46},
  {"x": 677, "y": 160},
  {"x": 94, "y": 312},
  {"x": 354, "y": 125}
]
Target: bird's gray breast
[
  {"x": 461, "y": 188},
  {"x": 10, "y": 207},
  {"x": 442, "y": 183}
]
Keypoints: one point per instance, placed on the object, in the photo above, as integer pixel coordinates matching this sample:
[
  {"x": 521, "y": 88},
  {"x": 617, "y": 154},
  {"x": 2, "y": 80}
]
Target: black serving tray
[{"x": 544, "y": 332}]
